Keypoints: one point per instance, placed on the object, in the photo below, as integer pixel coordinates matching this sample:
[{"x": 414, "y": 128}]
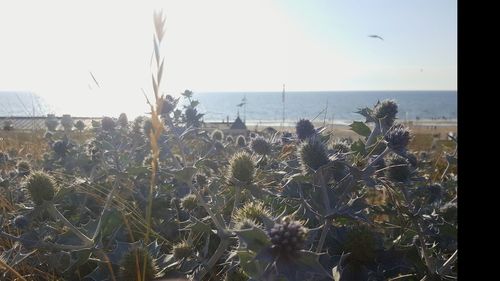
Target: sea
[{"x": 271, "y": 108}]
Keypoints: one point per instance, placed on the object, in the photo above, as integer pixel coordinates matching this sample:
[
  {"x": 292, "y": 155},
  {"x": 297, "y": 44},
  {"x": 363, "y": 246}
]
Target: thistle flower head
[
  {"x": 95, "y": 124},
  {"x": 217, "y": 135},
  {"x": 41, "y": 187},
  {"x": 260, "y": 146},
  {"x": 286, "y": 137},
  {"x": 123, "y": 120},
  {"x": 4, "y": 158},
  {"x": 108, "y": 124},
  {"x": 312, "y": 154},
  {"x": 386, "y": 111},
  {"x": 189, "y": 202},
  {"x": 398, "y": 137},
  {"x": 79, "y": 125},
  {"x": 304, "y": 129},
  {"x": 288, "y": 237},
  {"x": 60, "y": 148},
  {"x": 246, "y": 224},
  {"x": 182, "y": 250},
  {"x": 67, "y": 122},
  {"x": 169, "y": 105},
  {"x": 129, "y": 269},
  {"x": 254, "y": 211},
  {"x": 240, "y": 140},
  {"x": 241, "y": 167},
  {"x": 51, "y": 122},
  {"x": 21, "y": 222},
  {"x": 23, "y": 168},
  {"x": 398, "y": 169},
  {"x": 340, "y": 147}
]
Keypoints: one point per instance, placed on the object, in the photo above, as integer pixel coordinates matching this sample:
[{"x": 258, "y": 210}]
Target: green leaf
[
  {"x": 248, "y": 263},
  {"x": 309, "y": 262},
  {"x": 194, "y": 103},
  {"x": 255, "y": 238},
  {"x": 185, "y": 175},
  {"x": 358, "y": 146},
  {"x": 360, "y": 128}
]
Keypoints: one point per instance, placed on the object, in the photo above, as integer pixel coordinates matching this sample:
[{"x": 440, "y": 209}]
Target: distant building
[
  {"x": 234, "y": 129},
  {"x": 238, "y": 124}
]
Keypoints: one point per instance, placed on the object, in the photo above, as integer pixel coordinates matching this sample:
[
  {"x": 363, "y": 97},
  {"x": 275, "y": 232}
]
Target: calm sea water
[{"x": 267, "y": 107}]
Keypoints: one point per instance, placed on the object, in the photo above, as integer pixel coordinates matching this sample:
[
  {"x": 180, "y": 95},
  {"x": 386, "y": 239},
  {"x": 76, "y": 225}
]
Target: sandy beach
[{"x": 437, "y": 128}]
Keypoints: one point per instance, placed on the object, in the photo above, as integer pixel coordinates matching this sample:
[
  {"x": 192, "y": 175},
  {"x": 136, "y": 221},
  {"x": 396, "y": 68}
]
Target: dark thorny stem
[{"x": 326, "y": 203}]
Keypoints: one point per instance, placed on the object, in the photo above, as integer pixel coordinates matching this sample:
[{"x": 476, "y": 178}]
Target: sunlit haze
[{"x": 50, "y": 48}]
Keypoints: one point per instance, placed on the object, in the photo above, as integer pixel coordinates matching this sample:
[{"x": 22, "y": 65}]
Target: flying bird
[
  {"x": 376, "y": 36},
  {"x": 95, "y": 80}
]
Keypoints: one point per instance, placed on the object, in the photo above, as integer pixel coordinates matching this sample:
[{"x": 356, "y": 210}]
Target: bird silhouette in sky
[
  {"x": 95, "y": 80},
  {"x": 376, "y": 36}
]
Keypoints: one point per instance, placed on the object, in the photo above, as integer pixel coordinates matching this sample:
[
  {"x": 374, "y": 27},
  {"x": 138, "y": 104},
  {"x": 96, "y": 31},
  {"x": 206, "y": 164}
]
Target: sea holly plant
[
  {"x": 163, "y": 198},
  {"x": 278, "y": 252}
]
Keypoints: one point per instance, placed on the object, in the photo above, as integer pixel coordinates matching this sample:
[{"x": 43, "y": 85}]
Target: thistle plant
[
  {"x": 398, "y": 137},
  {"x": 352, "y": 211},
  {"x": 241, "y": 168},
  {"x": 189, "y": 202},
  {"x": 51, "y": 122},
  {"x": 253, "y": 211},
  {"x": 304, "y": 129},
  {"x": 240, "y": 140},
  {"x": 312, "y": 155},
  {"x": 108, "y": 124},
  {"x": 288, "y": 237},
  {"x": 23, "y": 168},
  {"x": 260, "y": 146},
  {"x": 80, "y": 126},
  {"x": 217, "y": 135},
  {"x": 41, "y": 187},
  {"x": 182, "y": 250},
  {"x": 386, "y": 112},
  {"x": 67, "y": 122},
  {"x": 398, "y": 169}
]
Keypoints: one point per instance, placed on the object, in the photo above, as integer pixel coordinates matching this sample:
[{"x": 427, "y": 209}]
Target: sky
[{"x": 50, "y": 47}]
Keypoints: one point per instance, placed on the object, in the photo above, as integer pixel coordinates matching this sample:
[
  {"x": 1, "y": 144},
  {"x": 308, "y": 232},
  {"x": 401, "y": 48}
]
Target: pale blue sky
[{"x": 49, "y": 47}]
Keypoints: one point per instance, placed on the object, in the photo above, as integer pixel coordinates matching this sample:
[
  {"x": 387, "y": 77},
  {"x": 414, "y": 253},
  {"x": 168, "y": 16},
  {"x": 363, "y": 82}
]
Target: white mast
[{"x": 283, "y": 102}]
